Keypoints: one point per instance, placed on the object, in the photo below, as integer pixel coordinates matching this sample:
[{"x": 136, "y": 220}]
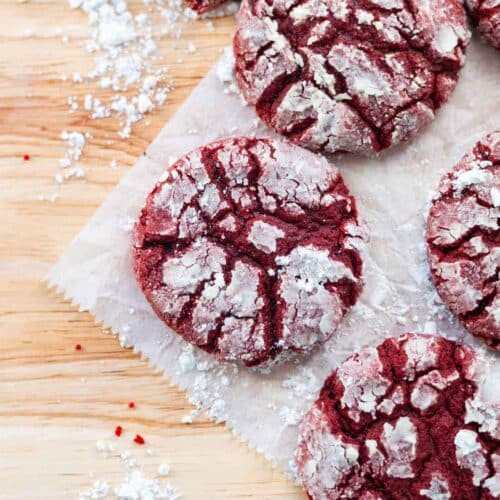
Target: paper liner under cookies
[{"x": 393, "y": 193}]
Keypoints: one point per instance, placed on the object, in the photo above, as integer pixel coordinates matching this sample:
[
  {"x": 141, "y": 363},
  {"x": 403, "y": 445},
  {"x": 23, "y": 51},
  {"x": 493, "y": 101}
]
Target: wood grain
[{"x": 55, "y": 402}]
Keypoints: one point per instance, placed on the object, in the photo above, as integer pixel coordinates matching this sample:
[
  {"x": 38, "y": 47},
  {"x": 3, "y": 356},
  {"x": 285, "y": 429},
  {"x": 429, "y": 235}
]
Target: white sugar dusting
[
  {"x": 400, "y": 441},
  {"x": 470, "y": 455},
  {"x": 364, "y": 383},
  {"x": 265, "y": 236},
  {"x": 127, "y": 56},
  {"x": 312, "y": 312},
  {"x": 129, "y": 77},
  {"x": 478, "y": 174},
  {"x": 447, "y": 38},
  {"x": 135, "y": 484},
  {"x": 438, "y": 489},
  {"x": 225, "y": 71}
]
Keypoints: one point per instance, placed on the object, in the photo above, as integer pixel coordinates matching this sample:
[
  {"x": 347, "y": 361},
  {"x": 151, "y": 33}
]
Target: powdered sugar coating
[
  {"x": 437, "y": 489},
  {"x": 250, "y": 249},
  {"x": 463, "y": 237},
  {"x": 345, "y": 75},
  {"x": 486, "y": 15},
  {"x": 431, "y": 451}
]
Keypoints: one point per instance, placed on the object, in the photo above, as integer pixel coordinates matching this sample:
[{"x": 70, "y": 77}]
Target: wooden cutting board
[{"x": 55, "y": 401}]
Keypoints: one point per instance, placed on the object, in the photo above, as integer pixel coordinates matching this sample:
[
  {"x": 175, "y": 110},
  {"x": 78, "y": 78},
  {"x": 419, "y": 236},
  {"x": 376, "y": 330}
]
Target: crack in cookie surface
[
  {"x": 463, "y": 238},
  {"x": 407, "y": 419},
  {"x": 346, "y": 76},
  {"x": 250, "y": 249}
]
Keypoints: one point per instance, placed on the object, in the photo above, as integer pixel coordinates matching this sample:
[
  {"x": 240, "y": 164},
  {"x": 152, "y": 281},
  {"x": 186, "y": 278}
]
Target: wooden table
[{"x": 56, "y": 402}]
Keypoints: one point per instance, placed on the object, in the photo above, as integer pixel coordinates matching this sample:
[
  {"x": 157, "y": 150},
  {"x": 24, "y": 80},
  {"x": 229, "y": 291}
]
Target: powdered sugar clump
[
  {"x": 129, "y": 79},
  {"x": 127, "y": 54},
  {"x": 136, "y": 484},
  {"x": 75, "y": 142},
  {"x": 225, "y": 72}
]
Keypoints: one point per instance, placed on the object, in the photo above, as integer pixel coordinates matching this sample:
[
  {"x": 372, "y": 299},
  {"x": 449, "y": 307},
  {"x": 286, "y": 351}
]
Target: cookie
[
  {"x": 409, "y": 419},
  {"x": 250, "y": 249},
  {"x": 486, "y": 16},
  {"x": 349, "y": 76},
  {"x": 463, "y": 238}
]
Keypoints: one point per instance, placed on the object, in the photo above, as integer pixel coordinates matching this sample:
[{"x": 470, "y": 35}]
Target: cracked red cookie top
[
  {"x": 463, "y": 238},
  {"x": 410, "y": 419},
  {"x": 250, "y": 249},
  {"x": 353, "y": 76},
  {"x": 486, "y": 16}
]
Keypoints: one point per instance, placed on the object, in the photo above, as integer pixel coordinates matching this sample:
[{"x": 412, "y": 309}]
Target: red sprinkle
[
  {"x": 26, "y": 157},
  {"x": 118, "y": 430},
  {"x": 78, "y": 347},
  {"x": 131, "y": 404},
  {"x": 138, "y": 439}
]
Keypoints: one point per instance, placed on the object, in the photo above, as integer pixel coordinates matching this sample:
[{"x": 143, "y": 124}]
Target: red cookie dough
[
  {"x": 353, "y": 76},
  {"x": 250, "y": 249},
  {"x": 409, "y": 419},
  {"x": 201, "y": 6},
  {"x": 486, "y": 15},
  {"x": 463, "y": 238}
]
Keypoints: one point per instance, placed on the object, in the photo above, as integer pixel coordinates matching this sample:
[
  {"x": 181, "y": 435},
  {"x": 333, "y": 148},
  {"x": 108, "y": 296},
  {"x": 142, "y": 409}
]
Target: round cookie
[
  {"x": 409, "y": 419},
  {"x": 486, "y": 16},
  {"x": 348, "y": 75},
  {"x": 463, "y": 238},
  {"x": 250, "y": 249}
]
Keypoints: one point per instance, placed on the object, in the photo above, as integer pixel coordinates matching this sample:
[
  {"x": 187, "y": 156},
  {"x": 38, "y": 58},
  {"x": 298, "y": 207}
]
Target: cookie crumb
[{"x": 139, "y": 439}]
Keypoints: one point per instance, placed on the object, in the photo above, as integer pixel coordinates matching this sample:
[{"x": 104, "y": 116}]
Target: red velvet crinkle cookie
[
  {"x": 486, "y": 15},
  {"x": 463, "y": 238},
  {"x": 250, "y": 249},
  {"x": 409, "y": 419},
  {"x": 349, "y": 75}
]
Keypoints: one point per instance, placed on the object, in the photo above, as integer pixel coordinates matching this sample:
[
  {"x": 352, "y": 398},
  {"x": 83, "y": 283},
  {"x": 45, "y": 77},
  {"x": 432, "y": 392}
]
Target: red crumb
[
  {"x": 78, "y": 347},
  {"x": 131, "y": 404},
  {"x": 201, "y": 6},
  {"x": 118, "y": 430},
  {"x": 138, "y": 439},
  {"x": 26, "y": 157}
]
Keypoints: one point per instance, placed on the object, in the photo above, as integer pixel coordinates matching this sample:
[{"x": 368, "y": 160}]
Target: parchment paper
[{"x": 393, "y": 193}]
